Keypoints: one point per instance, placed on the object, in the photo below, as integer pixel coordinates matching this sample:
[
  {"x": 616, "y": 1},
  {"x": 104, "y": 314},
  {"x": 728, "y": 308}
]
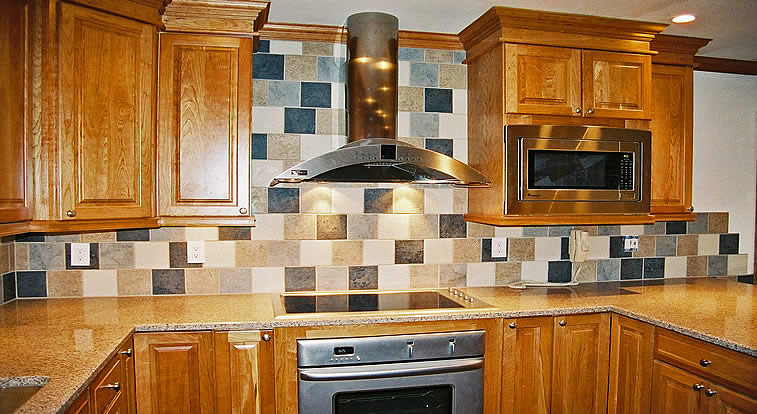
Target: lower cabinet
[
  {"x": 244, "y": 372},
  {"x": 631, "y": 353}
]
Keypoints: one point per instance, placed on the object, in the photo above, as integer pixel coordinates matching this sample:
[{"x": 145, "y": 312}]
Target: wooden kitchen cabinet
[
  {"x": 244, "y": 372},
  {"x": 631, "y": 356},
  {"x": 527, "y": 365},
  {"x": 616, "y": 85},
  {"x": 174, "y": 372}
]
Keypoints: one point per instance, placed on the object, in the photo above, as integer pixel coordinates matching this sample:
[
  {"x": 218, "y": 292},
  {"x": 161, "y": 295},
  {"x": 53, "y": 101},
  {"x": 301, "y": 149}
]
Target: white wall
[{"x": 725, "y": 150}]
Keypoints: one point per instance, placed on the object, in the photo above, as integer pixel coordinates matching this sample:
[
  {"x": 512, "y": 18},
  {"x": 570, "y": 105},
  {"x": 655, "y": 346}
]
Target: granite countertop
[{"x": 69, "y": 340}]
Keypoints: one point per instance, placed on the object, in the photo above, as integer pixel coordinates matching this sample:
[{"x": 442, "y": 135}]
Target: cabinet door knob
[
  {"x": 266, "y": 337},
  {"x": 512, "y": 325},
  {"x": 70, "y": 213},
  {"x": 590, "y": 111},
  {"x": 691, "y": 209},
  {"x": 578, "y": 110},
  {"x": 562, "y": 322},
  {"x": 710, "y": 392},
  {"x": 242, "y": 210},
  {"x": 127, "y": 352},
  {"x": 697, "y": 387},
  {"x": 705, "y": 362}
]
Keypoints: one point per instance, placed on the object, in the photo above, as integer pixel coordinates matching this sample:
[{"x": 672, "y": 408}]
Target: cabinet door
[
  {"x": 204, "y": 128},
  {"x": 581, "y": 356},
  {"x": 14, "y": 121},
  {"x": 81, "y": 405},
  {"x": 542, "y": 80},
  {"x": 726, "y": 401},
  {"x": 676, "y": 391},
  {"x": 127, "y": 366},
  {"x": 245, "y": 372},
  {"x": 616, "y": 85},
  {"x": 672, "y": 138},
  {"x": 107, "y": 127},
  {"x": 174, "y": 372},
  {"x": 527, "y": 365},
  {"x": 631, "y": 355}
]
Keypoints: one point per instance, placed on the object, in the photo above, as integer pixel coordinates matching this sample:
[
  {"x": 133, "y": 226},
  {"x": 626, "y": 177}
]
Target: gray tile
[
  {"x": 410, "y": 53},
  {"x": 654, "y": 267},
  {"x": 608, "y": 269},
  {"x": 167, "y": 234},
  {"x": 717, "y": 265},
  {"x": 234, "y": 233},
  {"x": 666, "y": 245},
  {"x": 331, "y": 226},
  {"x": 46, "y": 256},
  {"x": 363, "y": 277},
  {"x": 378, "y": 200},
  {"x": 408, "y": 251},
  {"x": 631, "y": 269},
  {"x": 424, "y": 74},
  {"x": 168, "y": 282},
  {"x": 116, "y": 256},
  {"x": 559, "y": 231},
  {"x": 299, "y": 278},
  {"x": 237, "y": 280},
  {"x": 535, "y": 231},
  {"x": 283, "y": 253},
  {"x": 656, "y": 228},
  {"x": 362, "y": 226},
  {"x": 31, "y": 284},
  {"x": 9, "y": 287},
  {"x": 424, "y": 124},
  {"x": 608, "y": 230},
  {"x": 283, "y": 93},
  {"x": 458, "y": 56},
  {"x": 453, "y": 275},
  {"x": 283, "y": 200},
  {"x": 452, "y": 226},
  {"x": 133, "y": 235},
  {"x": 330, "y": 69},
  {"x": 700, "y": 225}
]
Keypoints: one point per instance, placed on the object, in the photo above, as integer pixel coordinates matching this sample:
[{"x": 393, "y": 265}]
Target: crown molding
[
  {"x": 676, "y": 50},
  {"x": 722, "y": 65}
]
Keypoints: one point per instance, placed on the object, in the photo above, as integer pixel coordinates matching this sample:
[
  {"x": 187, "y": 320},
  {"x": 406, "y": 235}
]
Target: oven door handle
[{"x": 398, "y": 370}]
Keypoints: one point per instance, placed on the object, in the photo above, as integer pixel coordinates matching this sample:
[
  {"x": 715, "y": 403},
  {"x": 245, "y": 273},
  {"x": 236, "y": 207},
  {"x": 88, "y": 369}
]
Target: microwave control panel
[{"x": 626, "y": 172}]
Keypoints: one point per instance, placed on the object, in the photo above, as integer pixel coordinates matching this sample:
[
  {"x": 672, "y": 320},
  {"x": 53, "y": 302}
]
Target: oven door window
[
  {"x": 579, "y": 170},
  {"x": 423, "y": 400}
]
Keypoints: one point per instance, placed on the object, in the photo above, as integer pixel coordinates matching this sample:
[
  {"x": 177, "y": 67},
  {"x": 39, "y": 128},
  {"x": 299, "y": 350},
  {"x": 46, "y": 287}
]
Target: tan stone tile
[
  {"x": 453, "y": 76},
  {"x": 416, "y": 142},
  {"x": 316, "y": 200},
  {"x": 506, "y": 273},
  {"x": 259, "y": 92},
  {"x": 63, "y": 238},
  {"x": 423, "y": 226},
  {"x": 688, "y": 245},
  {"x": 201, "y": 281},
  {"x": 22, "y": 256},
  {"x": 438, "y": 56},
  {"x": 64, "y": 283},
  {"x": 460, "y": 201},
  {"x": 408, "y": 200},
  {"x": 339, "y": 118},
  {"x": 252, "y": 253},
  {"x": 134, "y": 282},
  {"x": 283, "y": 147},
  {"x": 467, "y": 250},
  {"x": 585, "y": 271},
  {"x": 332, "y": 278},
  {"x": 696, "y": 266},
  {"x": 300, "y": 67},
  {"x": 318, "y": 48},
  {"x": 452, "y": 275},
  {"x": 5, "y": 262},
  {"x": 168, "y": 234},
  {"x": 410, "y": 99},
  {"x": 283, "y": 253},
  {"x": 299, "y": 227},
  {"x": 424, "y": 276},
  {"x": 362, "y": 226},
  {"x": 259, "y": 200},
  {"x": 521, "y": 249},
  {"x": 324, "y": 121},
  {"x": 347, "y": 252},
  {"x": 646, "y": 247},
  {"x": 718, "y": 223},
  {"x": 117, "y": 255},
  {"x": 480, "y": 230}
]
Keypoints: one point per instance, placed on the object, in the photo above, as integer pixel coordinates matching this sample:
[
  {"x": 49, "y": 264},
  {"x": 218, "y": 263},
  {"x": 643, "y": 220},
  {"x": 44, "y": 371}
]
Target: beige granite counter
[{"x": 68, "y": 340}]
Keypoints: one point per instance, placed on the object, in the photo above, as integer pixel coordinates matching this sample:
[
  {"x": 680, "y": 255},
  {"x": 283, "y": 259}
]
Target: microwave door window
[{"x": 573, "y": 170}]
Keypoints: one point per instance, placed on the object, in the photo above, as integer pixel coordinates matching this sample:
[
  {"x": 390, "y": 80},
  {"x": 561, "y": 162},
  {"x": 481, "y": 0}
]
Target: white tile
[
  {"x": 315, "y": 252},
  {"x": 481, "y": 274},
  {"x": 737, "y": 264},
  {"x": 453, "y": 125},
  {"x": 100, "y": 282},
  {"x": 332, "y": 278},
  {"x": 508, "y": 232},
  {"x": 599, "y": 247},
  {"x": 312, "y": 145},
  {"x": 438, "y": 250},
  {"x": 340, "y": 50},
  {"x": 394, "y": 277},
  {"x": 376, "y": 252},
  {"x": 347, "y": 200},
  {"x": 201, "y": 233},
  {"x": 268, "y": 227},
  {"x": 633, "y": 230},
  {"x": 338, "y": 141},
  {"x": 337, "y": 95},
  {"x": 403, "y": 124},
  {"x": 404, "y": 73},
  {"x": 267, "y": 279},
  {"x": 709, "y": 244},
  {"x": 675, "y": 266},
  {"x": 547, "y": 248},
  {"x": 460, "y": 150},
  {"x": 393, "y": 226},
  {"x": 263, "y": 171},
  {"x": 220, "y": 254},
  {"x": 315, "y": 200},
  {"x": 151, "y": 255},
  {"x": 536, "y": 271},
  {"x": 267, "y": 119},
  {"x": 438, "y": 201},
  {"x": 286, "y": 47},
  {"x": 460, "y": 101}
]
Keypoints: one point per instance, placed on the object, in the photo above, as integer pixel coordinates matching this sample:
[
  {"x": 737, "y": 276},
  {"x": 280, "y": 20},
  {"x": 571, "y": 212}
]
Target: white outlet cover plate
[
  {"x": 630, "y": 243},
  {"x": 195, "y": 251},
  {"x": 79, "y": 254},
  {"x": 499, "y": 247}
]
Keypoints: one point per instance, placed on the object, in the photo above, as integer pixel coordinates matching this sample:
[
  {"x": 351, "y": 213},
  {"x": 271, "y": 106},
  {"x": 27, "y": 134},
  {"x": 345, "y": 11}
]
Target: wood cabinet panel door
[
  {"x": 616, "y": 85},
  {"x": 672, "y": 138},
  {"x": 204, "y": 125},
  {"x": 673, "y": 391},
  {"x": 527, "y": 365},
  {"x": 730, "y": 402},
  {"x": 14, "y": 119},
  {"x": 107, "y": 126},
  {"x": 581, "y": 356},
  {"x": 245, "y": 372},
  {"x": 631, "y": 356},
  {"x": 174, "y": 372},
  {"x": 542, "y": 80}
]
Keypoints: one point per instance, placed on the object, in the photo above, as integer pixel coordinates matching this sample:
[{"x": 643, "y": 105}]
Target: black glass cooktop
[{"x": 367, "y": 302}]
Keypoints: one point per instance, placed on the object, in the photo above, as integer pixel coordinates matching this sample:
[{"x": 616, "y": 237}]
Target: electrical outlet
[
  {"x": 630, "y": 243},
  {"x": 196, "y": 251},
  {"x": 499, "y": 247},
  {"x": 79, "y": 254}
]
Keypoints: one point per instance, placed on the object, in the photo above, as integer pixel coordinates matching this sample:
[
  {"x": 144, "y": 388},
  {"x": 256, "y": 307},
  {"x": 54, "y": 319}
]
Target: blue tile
[
  {"x": 559, "y": 272},
  {"x": 424, "y": 125},
  {"x": 716, "y": 266},
  {"x": 299, "y": 121},
  {"x": 616, "y": 247},
  {"x": 729, "y": 243},
  {"x": 608, "y": 269},
  {"x": 315, "y": 94},
  {"x": 133, "y": 235},
  {"x": 654, "y": 268},
  {"x": 443, "y": 146},
  {"x": 283, "y": 93},
  {"x": 438, "y": 100},
  {"x": 330, "y": 69},
  {"x": 424, "y": 74},
  {"x": 259, "y": 146},
  {"x": 30, "y": 238},
  {"x": 631, "y": 269},
  {"x": 675, "y": 227},
  {"x": 608, "y": 230},
  {"x": 564, "y": 248},
  {"x": 458, "y": 57},
  {"x": 283, "y": 200},
  {"x": 264, "y": 46},
  {"x": 9, "y": 286},
  {"x": 168, "y": 282},
  {"x": 378, "y": 200},
  {"x": 265, "y": 66},
  {"x": 452, "y": 226},
  {"x": 535, "y": 231},
  {"x": 559, "y": 231},
  {"x": 31, "y": 284},
  {"x": 486, "y": 252},
  {"x": 410, "y": 53}
]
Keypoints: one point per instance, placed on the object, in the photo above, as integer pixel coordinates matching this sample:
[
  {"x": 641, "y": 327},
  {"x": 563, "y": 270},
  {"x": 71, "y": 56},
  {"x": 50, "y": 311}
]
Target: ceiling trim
[{"x": 722, "y": 65}]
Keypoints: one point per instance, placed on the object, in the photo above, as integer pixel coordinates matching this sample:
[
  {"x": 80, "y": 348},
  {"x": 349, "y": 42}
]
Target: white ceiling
[{"x": 732, "y": 24}]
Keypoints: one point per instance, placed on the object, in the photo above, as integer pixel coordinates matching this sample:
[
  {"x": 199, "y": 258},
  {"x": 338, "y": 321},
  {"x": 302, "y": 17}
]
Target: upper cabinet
[{"x": 616, "y": 85}]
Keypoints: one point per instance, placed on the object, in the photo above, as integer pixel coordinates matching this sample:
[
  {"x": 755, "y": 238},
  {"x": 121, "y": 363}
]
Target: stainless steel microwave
[{"x": 577, "y": 170}]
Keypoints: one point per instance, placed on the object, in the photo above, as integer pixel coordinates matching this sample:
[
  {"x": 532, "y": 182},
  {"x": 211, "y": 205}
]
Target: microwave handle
[{"x": 398, "y": 370}]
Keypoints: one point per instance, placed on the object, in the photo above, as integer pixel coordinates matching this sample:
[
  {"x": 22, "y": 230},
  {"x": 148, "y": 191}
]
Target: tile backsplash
[{"x": 343, "y": 236}]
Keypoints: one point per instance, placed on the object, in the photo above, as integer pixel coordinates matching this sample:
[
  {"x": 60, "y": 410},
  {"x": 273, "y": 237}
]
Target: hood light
[{"x": 684, "y": 18}]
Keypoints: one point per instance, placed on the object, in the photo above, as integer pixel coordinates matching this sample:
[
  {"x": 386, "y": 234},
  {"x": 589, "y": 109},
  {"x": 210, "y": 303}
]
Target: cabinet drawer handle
[
  {"x": 562, "y": 322},
  {"x": 266, "y": 337},
  {"x": 705, "y": 362},
  {"x": 71, "y": 213},
  {"x": 691, "y": 209},
  {"x": 512, "y": 325},
  {"x": 698, "y": 387},
  {"x": 710, "y": 392},
  {"x": 115, "y": 386},
  {"x": 590, "y": 111},
  {"x": 242, "y": 210},
  {"x": 578, "y": 110},
  {"x": 127, "y": 352}
]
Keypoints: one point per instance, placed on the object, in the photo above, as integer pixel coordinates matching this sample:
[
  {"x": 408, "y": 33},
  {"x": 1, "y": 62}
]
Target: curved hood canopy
[{"x": 373, "y": 154}]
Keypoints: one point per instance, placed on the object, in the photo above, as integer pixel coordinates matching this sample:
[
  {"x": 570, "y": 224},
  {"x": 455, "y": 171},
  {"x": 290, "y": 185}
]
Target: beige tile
[
  {"x": 259, "y": 92},
  {"x": 324, "y": 121},
  {"x": 480, "y": 230},
  {"x": 283, "y": 253},
  {"x": 647, "y": 247},
  {"x": 377, "y": 252},
  {"x": 438, "y": 56},
  {"x": 585, "y": 271},
  {"x": 718, "y": 223},
  {"x": 315, "y": 253},
  {"x": 332, "y": 278},
  {"x": 393, "y": 226},
  {"x": 316, "y": 200},
  {"x": 521, "y": 249},
  {"x": 151, "y": 255},
  {"x": 63, "y": 238},
  {"x": 460, "y": 201},
  {"x": 117, "y": 255},
  {"x": 5, "y": 261},
  {"x": 410, "y": 99},
  {"x": 317, "y": 48},
  {"x": 235, "y": 280},
  {"x": 64, "y": 283},
  {"x": 259, "y": 200},
  {"x": 12, "y": 256},
  {"x": 168, "y": 234},
  {"x": 675, "y": 266},
  {"x": 394, "y": 277},
  {"x": 536, "y": 271},
  {"x": 424, "y": 276},
  {"x": 438, "y": 201},
  {"x": 347, "y": 252},
  {"x": 453, "y": 76},
  {"x": 453, "y": 275},
  {"x": 687, "y": 244},
  {"x": 423, "y": 226},
  {"x": 283, "y": 147},
  {"x": 201, "y": 281},
  {"x": 362, "y": 227},
  {"x": 220, "y": 254},
  {"x": 347, "y": 200},
  {"x": 481, "y": 274},
  {"x": 22, "y": 256},
  {"x": 301, "y": 68},
  {"x": 100, "y": 282},
  {"x": 299, "y": 227},
  {"x": 599, "y": 247},
  {"x": 506, "y": 273},
  {"x": 134, "y": 282},
  {"x": 547, "y": 248},
  {"x": 466, "y": 250},
  {"x": 253, "y": 253},
  {"x": 508, "y": 232},
  {"x": 737, "y": 264},
  {"x": 267, "y": 279},
  {"x": 708, "y": 245},
  {"x": 438, "y": 250},
  {"x": 201, "y": 233},
  {"x": 408, "y": 200},
  {"x": 416, "y": 142},
  {"x": 268, "y": 227}
]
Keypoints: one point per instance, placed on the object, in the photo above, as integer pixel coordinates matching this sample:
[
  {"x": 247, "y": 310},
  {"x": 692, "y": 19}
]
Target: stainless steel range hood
[{"x": 373, "y": 154}]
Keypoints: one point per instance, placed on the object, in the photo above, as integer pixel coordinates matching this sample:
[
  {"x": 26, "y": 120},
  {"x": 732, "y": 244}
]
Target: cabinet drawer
[
  {"x": 711, "y": 361},
  {"x": 107, "y": 386}
]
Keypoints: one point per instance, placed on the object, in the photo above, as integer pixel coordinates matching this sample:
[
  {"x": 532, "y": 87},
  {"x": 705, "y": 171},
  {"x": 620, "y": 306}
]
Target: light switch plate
[
  {"x": 499, "y": 247},
  {"x": 196, "y": 251},
  {"x": 79, "y": 254},
  {"x": 630, "y": 243}
]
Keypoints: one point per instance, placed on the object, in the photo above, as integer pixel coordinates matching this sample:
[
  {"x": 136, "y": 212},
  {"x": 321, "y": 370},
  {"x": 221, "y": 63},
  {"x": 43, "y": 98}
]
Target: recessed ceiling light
[{"x": 684, "y": 18}]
